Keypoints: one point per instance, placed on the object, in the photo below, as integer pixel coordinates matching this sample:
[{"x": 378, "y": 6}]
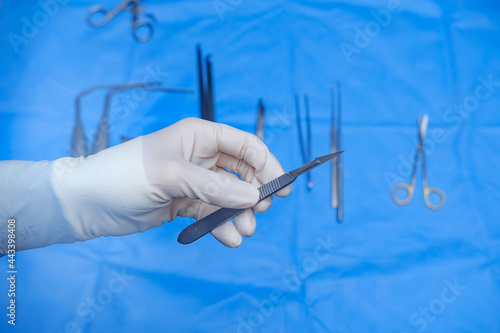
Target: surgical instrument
[
  {"x": 210, "y": 89},
  {"x": 333, "y": 147},
  {"x": 139, "y": 21},
  {"x": 305, "y": 143},
  {"x": 338, "y": 141},
  {"x": 207, "y": 110},
  {"x": 217, "y": 218},
  {"x": 201, "y": 81},
  {"x": 336, "y": 145},
  {"x": 78, "y": 139},
  {"x": 101, "y": 138},
  {"x": 423, "y": 123},
  {"x": 259, "y": 129}
]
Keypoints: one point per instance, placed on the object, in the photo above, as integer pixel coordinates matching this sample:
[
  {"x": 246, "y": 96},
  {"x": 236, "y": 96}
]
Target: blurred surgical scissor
[
  {"x": 140, "y": 21},
  {"x": 423, "y": 122}
]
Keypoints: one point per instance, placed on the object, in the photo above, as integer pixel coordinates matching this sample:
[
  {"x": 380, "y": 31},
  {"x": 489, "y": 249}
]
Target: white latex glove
[{"x": 137, "y": 185}]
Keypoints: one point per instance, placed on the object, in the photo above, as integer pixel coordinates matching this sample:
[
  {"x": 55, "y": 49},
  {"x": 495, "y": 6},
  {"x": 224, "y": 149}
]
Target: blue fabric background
[{"x": 387, "y": 268}]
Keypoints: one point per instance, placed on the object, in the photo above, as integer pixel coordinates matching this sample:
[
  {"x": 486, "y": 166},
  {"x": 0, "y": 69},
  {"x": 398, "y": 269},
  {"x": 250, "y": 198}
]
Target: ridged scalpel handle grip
[{"x": 217, "y": 218}]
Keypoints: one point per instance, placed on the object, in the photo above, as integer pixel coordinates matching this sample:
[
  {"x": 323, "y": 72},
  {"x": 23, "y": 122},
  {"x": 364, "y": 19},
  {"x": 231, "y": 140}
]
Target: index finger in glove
[
  {"x": 213, "y": 138},
  {"x": 248, "y": 174},
  {"x": 247, "y": 147}
]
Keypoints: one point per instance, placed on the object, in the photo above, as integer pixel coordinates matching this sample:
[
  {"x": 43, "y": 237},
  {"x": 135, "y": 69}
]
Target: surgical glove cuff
[
  {"x": 28, "y": 197},
  {"x": 107, "y": 194}
]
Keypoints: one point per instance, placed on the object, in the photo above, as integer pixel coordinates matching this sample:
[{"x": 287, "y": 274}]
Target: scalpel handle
[{"x": 217, "y": 218}]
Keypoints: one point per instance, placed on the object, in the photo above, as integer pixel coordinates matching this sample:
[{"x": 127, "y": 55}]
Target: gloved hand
[{"x": 137, "y": 185}]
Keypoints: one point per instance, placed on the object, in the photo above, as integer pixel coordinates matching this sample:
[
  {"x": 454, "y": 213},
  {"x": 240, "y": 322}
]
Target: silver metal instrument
[{"x": 423, "y": 123}]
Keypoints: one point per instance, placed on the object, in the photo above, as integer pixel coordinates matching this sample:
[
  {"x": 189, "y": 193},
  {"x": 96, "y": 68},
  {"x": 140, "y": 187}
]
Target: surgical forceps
[
  {"x": 206, "y": 88},
  {"x": 139, "y": 20},
  {"x": 409, "y": 188},
  {"x": 305, "y": 143}
]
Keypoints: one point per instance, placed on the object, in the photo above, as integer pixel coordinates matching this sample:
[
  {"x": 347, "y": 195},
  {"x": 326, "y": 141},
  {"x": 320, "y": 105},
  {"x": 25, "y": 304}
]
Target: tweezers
[
  {"x": 259, "y": 129},
  {"x": 217, "y": 218},
  {"x": 206, "y": 88},
  {"x": 305, "y": 143}
]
